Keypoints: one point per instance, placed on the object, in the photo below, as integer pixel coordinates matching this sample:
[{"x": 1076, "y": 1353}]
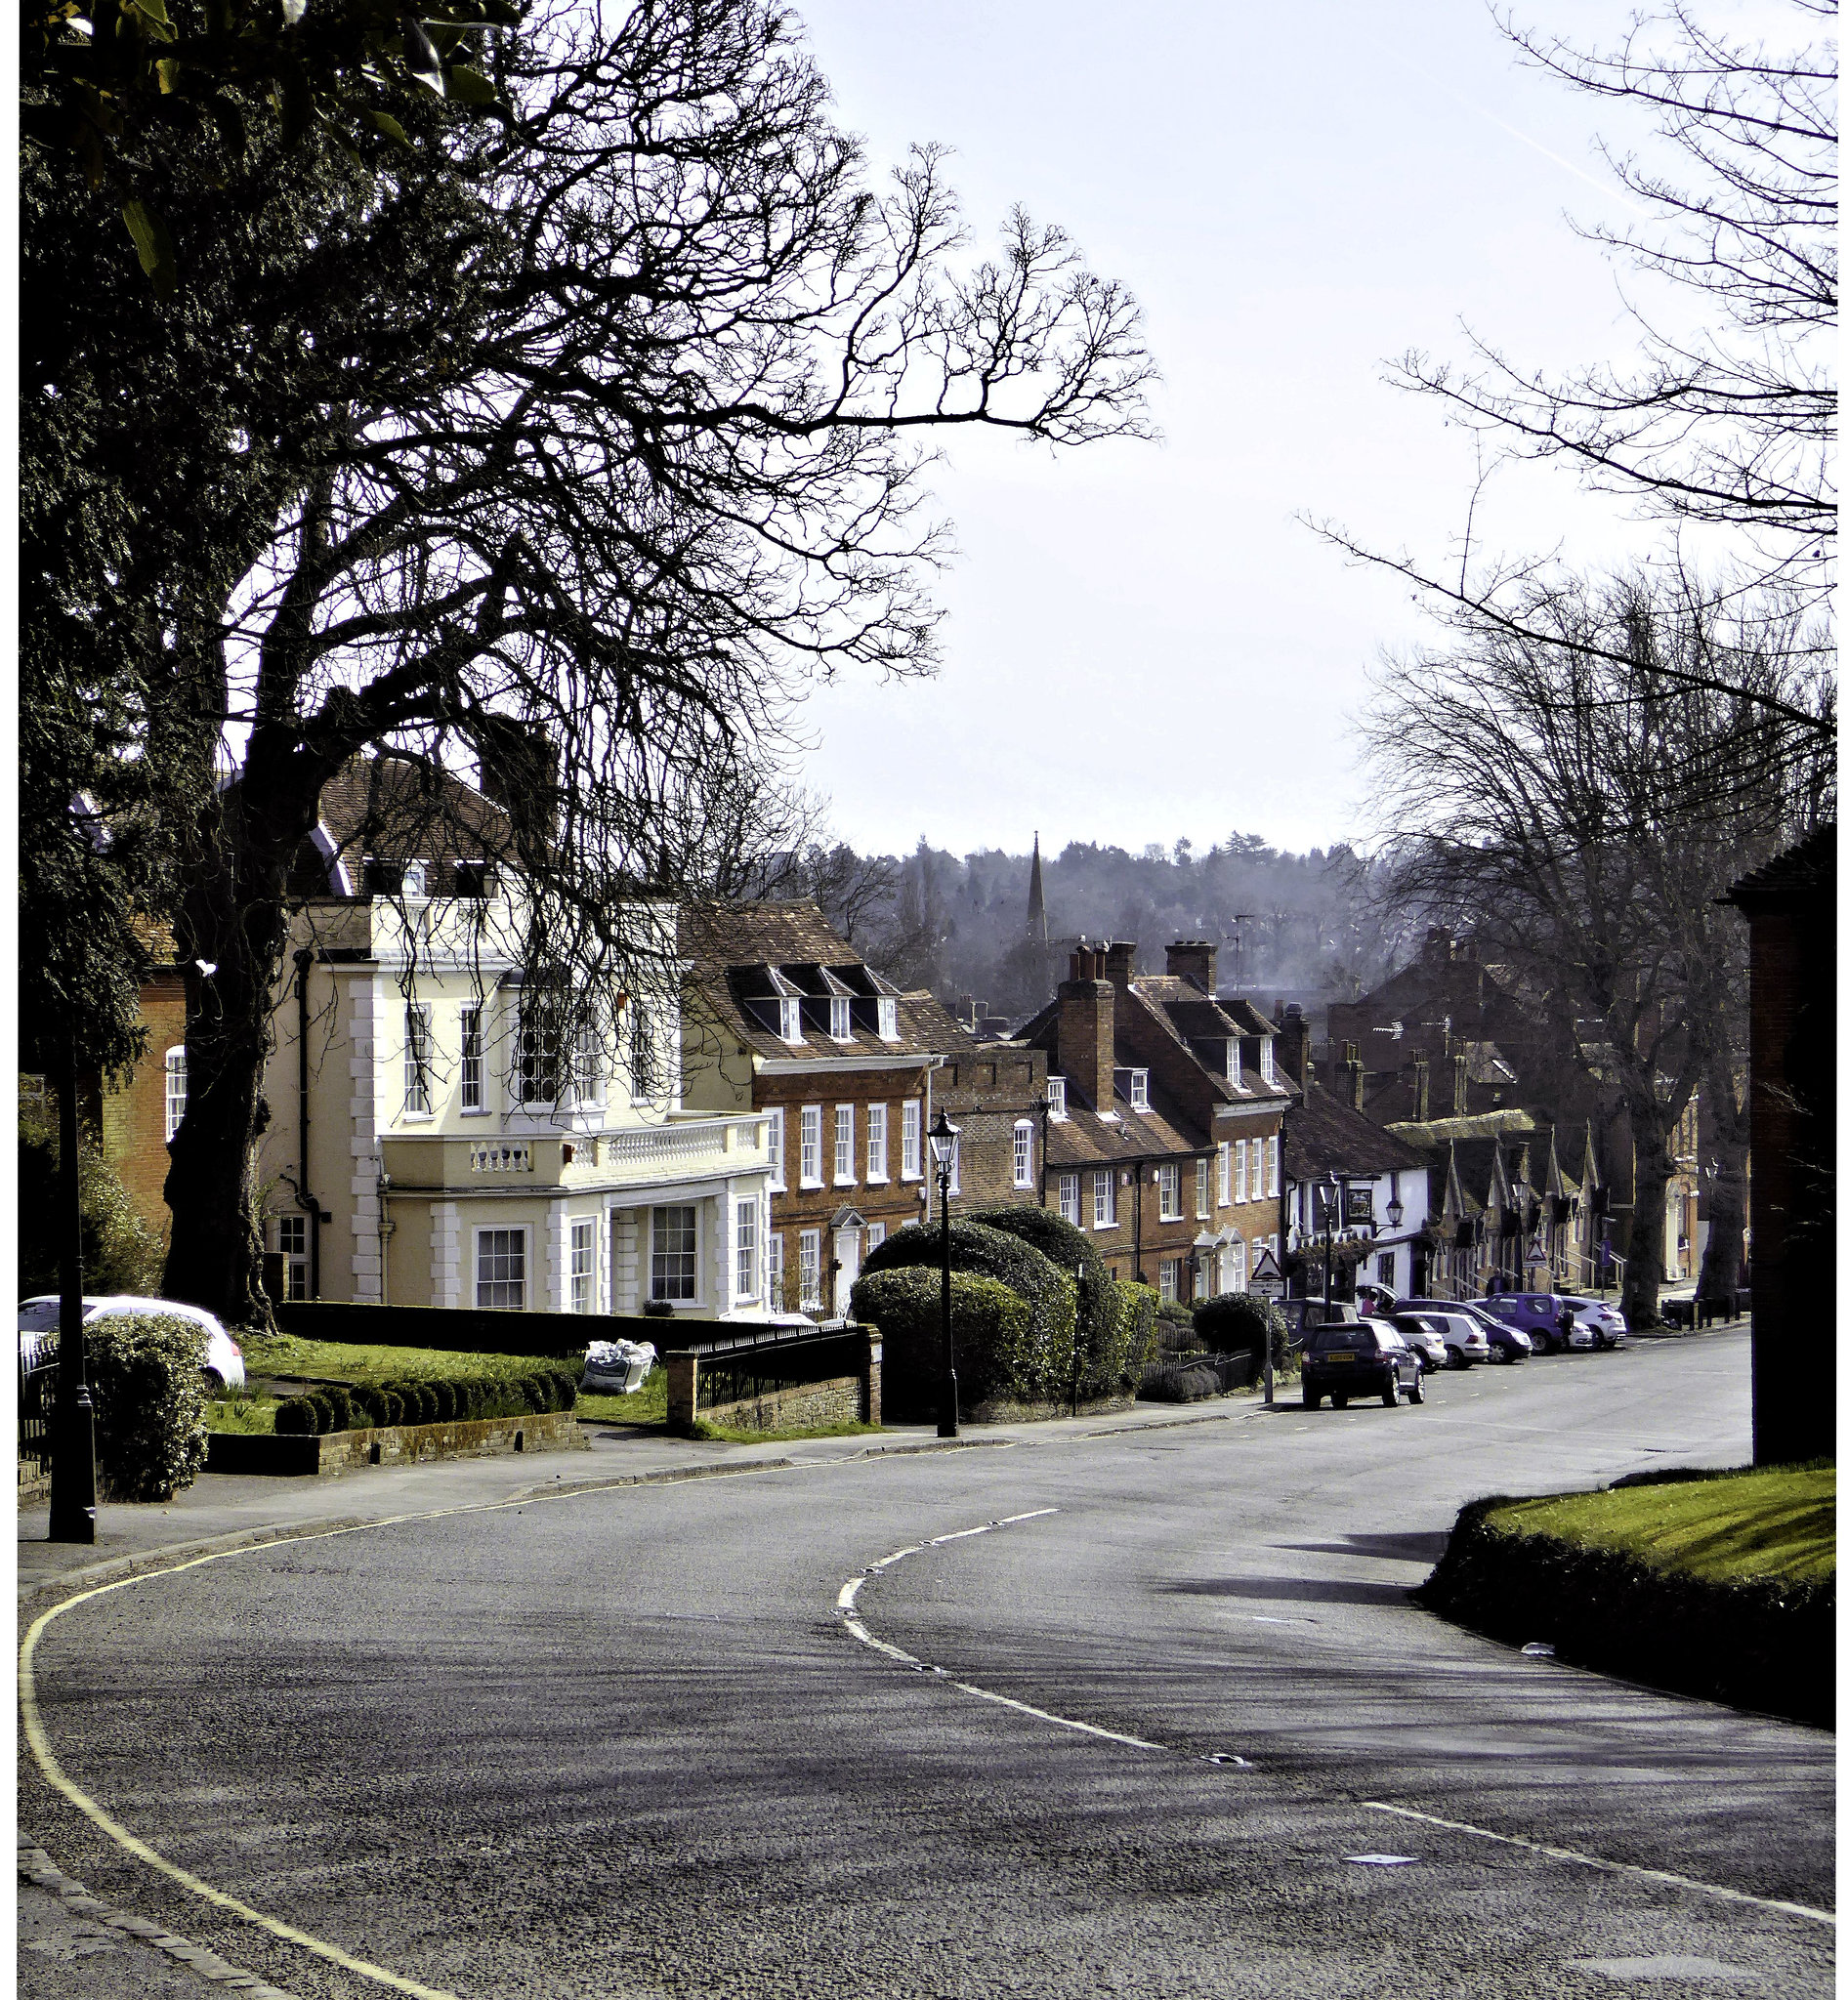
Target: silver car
[
  {"x": 224, "y": 1366},
  {"x": 1608, "y": 1326}
]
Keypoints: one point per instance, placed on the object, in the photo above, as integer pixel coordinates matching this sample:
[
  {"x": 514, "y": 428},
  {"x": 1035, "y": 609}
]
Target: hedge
[
  {"x": 1105, "y": 1336},
  {"x": 993, "y": 1326},
  {"x": 1237, "y": 1322},
  {"x": 150, "y": 1399},
  {"x": 444, "y": 1399},
  {"x": 1044, "y": 1365},
  {"x": 1766, "y": 1645}
]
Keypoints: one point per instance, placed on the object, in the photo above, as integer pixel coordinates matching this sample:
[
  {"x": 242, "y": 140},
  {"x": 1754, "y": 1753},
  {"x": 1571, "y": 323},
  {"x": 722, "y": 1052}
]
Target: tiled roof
[
  {"x": 392, "y": 807},
  {"x": 1081, "y": 1138},
  {"x": 1321, "y": 1136},
  {"x": 745, "y": 957},
  {"x": 1803, "y": 869}
]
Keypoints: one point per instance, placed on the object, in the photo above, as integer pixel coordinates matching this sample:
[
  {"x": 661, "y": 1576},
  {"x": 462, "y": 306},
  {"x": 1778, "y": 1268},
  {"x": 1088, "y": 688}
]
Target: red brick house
[
  {"x": 1164, "y": 1133},
  {"x": 784, "y": 1016}
]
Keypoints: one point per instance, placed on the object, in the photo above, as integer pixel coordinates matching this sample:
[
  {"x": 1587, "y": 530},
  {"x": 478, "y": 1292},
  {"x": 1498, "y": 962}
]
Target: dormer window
[
  {"x": 382, "y": 877},
  {"x": 476, "y": 881},
  {"x": 1056, "y": 1096},
  {"x": 791, "y": 1025},
  {"x": 1234, "y": 1073},
  {"x": 415, "y": 880},
  {"x": 888, "y": 1020},
  {"x": 840, "y": 1018},
  {"x": 1138, "y": 1090},
  {"x": 1266, "y": 1059}
]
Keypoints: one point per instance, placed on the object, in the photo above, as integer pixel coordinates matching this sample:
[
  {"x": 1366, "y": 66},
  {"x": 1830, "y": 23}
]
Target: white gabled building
[{"x": 430, "y": 1145}]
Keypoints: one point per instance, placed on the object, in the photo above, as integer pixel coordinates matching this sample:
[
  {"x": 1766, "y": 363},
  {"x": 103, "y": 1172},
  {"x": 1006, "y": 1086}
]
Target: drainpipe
[
  {"x": 303, "y": 1198},
  {"x": 1140, "y": 1279}
]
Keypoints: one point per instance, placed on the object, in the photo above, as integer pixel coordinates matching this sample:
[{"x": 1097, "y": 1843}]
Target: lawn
[
  {"x": 328, "y": 1361},
  {"x": 1736, "y": 1527}
]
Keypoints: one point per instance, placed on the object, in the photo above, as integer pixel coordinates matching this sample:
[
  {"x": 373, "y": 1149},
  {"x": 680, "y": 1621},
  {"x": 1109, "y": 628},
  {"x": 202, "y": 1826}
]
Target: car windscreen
[{"x": 1326, "y": 1338}]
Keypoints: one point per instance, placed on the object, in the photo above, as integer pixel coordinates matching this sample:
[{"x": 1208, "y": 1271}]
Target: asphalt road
[{"x": 625, "y": 1743}]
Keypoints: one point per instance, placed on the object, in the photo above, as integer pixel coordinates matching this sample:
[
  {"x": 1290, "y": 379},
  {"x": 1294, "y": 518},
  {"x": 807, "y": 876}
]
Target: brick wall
[
  {"x": 988, "y": 1090},
  {"x": 134, "y": 1116}
]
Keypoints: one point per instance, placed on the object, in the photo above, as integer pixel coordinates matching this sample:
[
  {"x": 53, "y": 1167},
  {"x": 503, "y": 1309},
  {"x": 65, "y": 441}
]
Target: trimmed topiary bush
[
  {"x": 295, "y": 1417},
  {"x": 444, "y": 1393},
  {"x": 1102, "y": 1333},
  {"x": 993, "y": 1326},
  {"x": 323, "y": 1410},
  {"x": 339, "y": 1400},
  {"x": 149, "y": 1402},
  {"x": 1237, "y": 1322}
]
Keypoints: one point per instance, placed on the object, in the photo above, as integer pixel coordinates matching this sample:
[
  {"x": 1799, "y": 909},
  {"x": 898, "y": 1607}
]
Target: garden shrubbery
[
  {"x": 1106, "y": 1334},
  {"x": 993, "y": 1326},
  {"x": 1237, "y": 1322},
  {"x": 442, "y": 1399},
  {"x": 149, "y": 1402}
]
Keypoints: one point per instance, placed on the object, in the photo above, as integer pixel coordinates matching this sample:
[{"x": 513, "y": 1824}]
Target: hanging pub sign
[{"x": 1359, "y": 1204}]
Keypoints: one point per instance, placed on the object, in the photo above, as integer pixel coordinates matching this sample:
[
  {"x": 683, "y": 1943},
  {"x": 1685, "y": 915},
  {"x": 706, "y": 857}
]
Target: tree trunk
[
  {"x": 1643, "y": 1270},
  {"x": 235, "y": 920},
  {"x": 1727, "y": 1137}
]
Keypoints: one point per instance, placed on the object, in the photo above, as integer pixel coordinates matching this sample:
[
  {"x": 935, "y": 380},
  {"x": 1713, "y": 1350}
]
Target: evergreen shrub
[
  {"x": 340, "y": 1400},
  {"x": 1102, "y": 1334},
  {"x": 993, "y": 1327},
  {"x": 1237, "y": 1322},
  {"x": 445, "y": 1392},
  {"x": 149, "y": 1402},
  {"x": 295, "y": 1417}
]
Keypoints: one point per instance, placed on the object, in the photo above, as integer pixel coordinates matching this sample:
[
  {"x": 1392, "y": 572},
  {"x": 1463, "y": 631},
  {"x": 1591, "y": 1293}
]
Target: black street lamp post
[
  {"x": 73, "y": 1507},
  {"x": 944, "y": 1138},
  {"x": 1330, "y": 1189}
]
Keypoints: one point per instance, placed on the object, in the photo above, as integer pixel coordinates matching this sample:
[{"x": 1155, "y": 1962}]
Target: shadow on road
[
  {"x": 1298, "y": 1589},
  {"x": 1389, "y": 1548}
]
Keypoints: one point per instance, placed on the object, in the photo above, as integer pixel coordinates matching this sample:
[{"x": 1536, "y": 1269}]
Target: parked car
[
  {"x": 1300, "y": 1315},
  {"x": 1506, "y": 1343},
  {"x": 1544, "y": 1317},
  {"x": 224, "y": 1368},
  {"x": 1464, "y": 1337},
  {"x": 1608, "y": 1327},
  {"x": 1368, "y": 1358},
  {"x": 1421, "y": 1337}
]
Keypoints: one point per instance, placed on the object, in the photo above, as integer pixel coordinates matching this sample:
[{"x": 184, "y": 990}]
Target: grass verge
[
  {"x": 330, "y": 1360},
  {"x": 647, "y": 1407},
  {"x": 792, "y": 1435},
  {"x": 1721, "y": 1586}
]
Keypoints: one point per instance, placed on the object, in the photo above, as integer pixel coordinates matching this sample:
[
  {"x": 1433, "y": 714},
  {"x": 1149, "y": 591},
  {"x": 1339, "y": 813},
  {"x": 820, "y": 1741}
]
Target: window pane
[
  {"x": 471, "y": 1059},
  {"x": 500, "y": 1268},
  {"x": 583, "y": 1265},
  {"x": 675, "y": 1274}
]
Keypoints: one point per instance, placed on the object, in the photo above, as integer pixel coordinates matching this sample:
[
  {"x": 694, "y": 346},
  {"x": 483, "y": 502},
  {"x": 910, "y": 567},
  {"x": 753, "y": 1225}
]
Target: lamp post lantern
[{"x": 944, "y": 1140}]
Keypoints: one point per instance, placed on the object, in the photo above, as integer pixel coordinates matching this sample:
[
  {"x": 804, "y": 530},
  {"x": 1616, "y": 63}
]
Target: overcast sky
[{"x": 1143, "y": 641}]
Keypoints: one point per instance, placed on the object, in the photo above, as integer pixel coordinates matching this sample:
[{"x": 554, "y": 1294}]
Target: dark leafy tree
[{"x": 582, "y": 509}]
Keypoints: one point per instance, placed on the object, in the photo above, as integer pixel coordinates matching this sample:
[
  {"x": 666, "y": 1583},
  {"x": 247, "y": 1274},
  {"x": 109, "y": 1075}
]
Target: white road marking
[
  {"x": 1762, "y": 1902},
  {"x": 857, "y": 1627}
]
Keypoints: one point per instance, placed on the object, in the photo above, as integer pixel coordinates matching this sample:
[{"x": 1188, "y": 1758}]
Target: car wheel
[
  {"x": 212, "y": 1381},
  {"x": 1416, "y": 1394},
  {"x": 1389, "y": 1395},
  {"x": 1312, "y": 1400},
  {"x": 1339, "y": 1400}
]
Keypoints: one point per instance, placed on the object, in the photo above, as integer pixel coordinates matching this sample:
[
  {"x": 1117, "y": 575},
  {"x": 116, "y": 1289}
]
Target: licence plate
[{"x": 1342, "y": 1357}]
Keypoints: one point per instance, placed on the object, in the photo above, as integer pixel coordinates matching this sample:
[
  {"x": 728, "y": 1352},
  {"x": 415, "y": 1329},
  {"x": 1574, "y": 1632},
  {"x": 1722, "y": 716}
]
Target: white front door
[{"x": 847, "y": 1252}]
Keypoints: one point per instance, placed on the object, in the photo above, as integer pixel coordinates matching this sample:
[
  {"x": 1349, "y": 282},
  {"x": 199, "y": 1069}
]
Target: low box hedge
[
  {"x": 446, "y": 1400},
  {"x": 1766, "y": 1644}
]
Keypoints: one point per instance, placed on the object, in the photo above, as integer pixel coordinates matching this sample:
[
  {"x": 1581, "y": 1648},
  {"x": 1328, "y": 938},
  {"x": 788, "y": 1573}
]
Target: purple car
[{"x": 1545, "y": 1317}]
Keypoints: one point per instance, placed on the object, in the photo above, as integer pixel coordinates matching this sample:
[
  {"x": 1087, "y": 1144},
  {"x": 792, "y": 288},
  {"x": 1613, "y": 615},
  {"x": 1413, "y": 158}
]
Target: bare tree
[
  {"x": 1581, "y": 799},
  {"x": 655, "y": 472},
  {"x": 1728, "y": 423}
]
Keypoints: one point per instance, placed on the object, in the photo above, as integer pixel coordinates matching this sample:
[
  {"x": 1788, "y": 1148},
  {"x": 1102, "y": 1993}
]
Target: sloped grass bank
[{"x": 1719, "y": 1585}]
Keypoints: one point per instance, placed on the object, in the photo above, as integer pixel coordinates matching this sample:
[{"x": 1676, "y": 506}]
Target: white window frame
[
  {"x": 791, "y": 1013},
  {"x": 840, "y": 1018},
  {"x": 876, "y": 1150},
  {"x": 1231, "y": 1271},
  {"x": 513, "y": 1278},
  {"x": 1235, "y": 1066},
  {"x": 583, "y": 1264},
  {"x": 1225, "y": 1173},
  {"x": 1273, "y": 1154},
  {"x": 772, "y": 1271},
  {"x": 1023, "y": 1152},
  {"x": 416, "y": 883},
  {"x": 774, "y": 1146},
  {"x": 1266, "y": 1059},
  {"x": 418, "y": 1033},
  {"x": 1169, "y": 1185},
  {"x": 473, "y": 1072},
  {"x": 888, "y": 1019},
  {"x": 587, "y": 1080},
  {"x": 1104, "y": 1198},
  {"x": 517, "y": 1068},
  {"x": 1071, "y": 1198},
  {"x": 175, "y": 1098},
  {"x": 745, "y": 1272},
  {"x": 291, "y": 1242},
  {"x": 875, "y": 1236},
  {"x": 1240, "y": 1180},
  {"x": 809, "y": 1269},
  {"x": 1055, "y": 1097},
  {"x": 1138, "y": 1090},
  {"x": 655, "y": 1252},
  {"x": 1202, "y": 1189},
  {"x": 843, "y": 1176},
  {"x": 810, "y": 1165},
  {"x": 1168, "y": 1277},
  {"x": 911, "y": 1140}
]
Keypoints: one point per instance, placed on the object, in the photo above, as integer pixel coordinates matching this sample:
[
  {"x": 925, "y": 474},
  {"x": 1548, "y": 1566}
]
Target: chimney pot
[{"x": 1196, "y": 961}]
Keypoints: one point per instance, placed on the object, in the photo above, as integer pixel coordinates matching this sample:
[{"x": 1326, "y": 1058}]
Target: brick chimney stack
[
  {"x": 1353, "y": 1077},
  {"x": 1087, "y": 1028},
  {"x": 1293, "y": 1045},
  {"x": 1437, "y": 944},
  {"x": 1420, "y": 1087},
  {"x": 1119, "y": 966},
  {"x": 1195, "y": 960}
]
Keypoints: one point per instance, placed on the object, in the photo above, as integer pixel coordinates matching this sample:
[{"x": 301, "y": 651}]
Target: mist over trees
[{"x": 957, "y": 924}]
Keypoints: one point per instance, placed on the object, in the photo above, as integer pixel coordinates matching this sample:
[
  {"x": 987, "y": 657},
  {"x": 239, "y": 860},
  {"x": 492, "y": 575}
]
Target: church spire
[{"x": 1035, "y": 901}]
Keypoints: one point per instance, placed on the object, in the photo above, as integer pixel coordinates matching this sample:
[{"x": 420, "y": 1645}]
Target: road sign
[{"x": 1266, "y": 1281}]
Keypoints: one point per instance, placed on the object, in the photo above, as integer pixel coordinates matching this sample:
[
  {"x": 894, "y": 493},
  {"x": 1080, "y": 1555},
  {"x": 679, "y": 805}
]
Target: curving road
[{"x": 626, "y": 1743}]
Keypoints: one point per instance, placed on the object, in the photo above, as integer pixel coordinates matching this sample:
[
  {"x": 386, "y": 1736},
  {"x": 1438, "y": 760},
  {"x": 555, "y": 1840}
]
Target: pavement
[{"x": 1122, "y": 1705}]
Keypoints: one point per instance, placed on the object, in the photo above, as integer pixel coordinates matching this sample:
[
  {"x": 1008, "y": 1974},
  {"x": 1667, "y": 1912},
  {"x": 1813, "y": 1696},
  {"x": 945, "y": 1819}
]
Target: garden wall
[{"x": 340, "y": 1451}]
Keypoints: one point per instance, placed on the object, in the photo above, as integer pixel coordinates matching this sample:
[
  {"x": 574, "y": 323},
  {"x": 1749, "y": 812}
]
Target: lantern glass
[{"x": 944, "y": 1138}]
